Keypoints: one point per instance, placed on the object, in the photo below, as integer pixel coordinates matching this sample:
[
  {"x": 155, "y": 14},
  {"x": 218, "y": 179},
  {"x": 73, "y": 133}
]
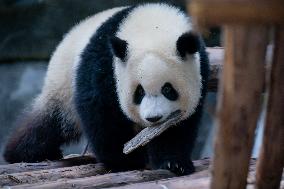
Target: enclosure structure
[
  {"x": 84, "y": 172},
  {"x": 247, "y": 25}
]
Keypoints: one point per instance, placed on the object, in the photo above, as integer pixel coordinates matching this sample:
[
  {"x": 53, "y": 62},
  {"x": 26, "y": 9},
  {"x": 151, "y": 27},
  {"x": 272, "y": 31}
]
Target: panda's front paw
[{"x": 178, "y": 167}]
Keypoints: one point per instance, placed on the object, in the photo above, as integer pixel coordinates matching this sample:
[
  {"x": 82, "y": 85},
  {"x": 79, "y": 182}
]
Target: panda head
[{"x": 154, "y": 83}]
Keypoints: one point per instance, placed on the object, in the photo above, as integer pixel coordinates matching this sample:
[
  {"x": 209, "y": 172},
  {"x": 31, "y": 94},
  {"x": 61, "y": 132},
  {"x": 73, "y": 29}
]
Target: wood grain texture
[
  {"x": 199, "y": 180},
  {"x": 129, "y": 180},
  {"x": 52, "y": 174},
  {"x": 239, "y": 104},
  {"x": 178, "y": 183},
  {"x": 24, "y": 167},
  {"x": 220, "y": 12},
  {"x": 103, "y": 181},
  {"x": 271, "y": 161},
  {"x": 69, "y": 173}
]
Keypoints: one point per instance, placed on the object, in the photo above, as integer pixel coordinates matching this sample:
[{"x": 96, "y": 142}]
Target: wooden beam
[
  {"x": 52, "y": 174},
  {"x": 200, "y": 180},
  {"x": 47, "y": 175},
  {"x": 271, "y": 161},
  {"x": 178, "y": 183},
  {"x": 220, "y": 12},
  {"x": 201, "y": 175},
  {"x": 24, "y": 167},
  {"x": 103, "y": 181},
  {"x": 239, "y": 104}
]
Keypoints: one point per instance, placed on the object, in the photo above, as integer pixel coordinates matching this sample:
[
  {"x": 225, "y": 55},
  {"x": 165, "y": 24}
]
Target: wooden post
[
  {"x": 239, "y": 104},
  {"x": 271, "y": 161}
]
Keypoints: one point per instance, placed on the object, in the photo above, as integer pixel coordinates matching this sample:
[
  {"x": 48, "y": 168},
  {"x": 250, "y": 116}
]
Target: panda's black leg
[
  {"x": 172, "y": 149},
  {"x": 107, "y": 135},
  {"x": 38, "y": 138},
  {"x": 40, "y": 134}
]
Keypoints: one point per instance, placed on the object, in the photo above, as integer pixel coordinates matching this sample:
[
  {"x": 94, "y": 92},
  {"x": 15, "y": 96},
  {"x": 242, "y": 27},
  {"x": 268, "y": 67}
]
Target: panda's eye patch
[
  {"x": 139, "y": 94},
  {"x": 169, "y": 92}
]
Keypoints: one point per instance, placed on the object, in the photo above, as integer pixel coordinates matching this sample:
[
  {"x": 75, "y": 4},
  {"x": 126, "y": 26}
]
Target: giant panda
[{"x": 119, "y": 70}]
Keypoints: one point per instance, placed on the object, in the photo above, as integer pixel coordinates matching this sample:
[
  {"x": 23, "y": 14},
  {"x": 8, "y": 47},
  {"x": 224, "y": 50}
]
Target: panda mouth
[{"x": 173, "y": 118}]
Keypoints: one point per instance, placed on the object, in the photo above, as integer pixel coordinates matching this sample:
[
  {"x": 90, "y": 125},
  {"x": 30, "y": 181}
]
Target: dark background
[{"x": 30, "y": 31}]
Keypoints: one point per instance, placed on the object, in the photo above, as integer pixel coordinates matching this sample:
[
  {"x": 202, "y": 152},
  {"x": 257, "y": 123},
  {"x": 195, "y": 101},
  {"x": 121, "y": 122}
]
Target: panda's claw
[
  {"x": 176, "y": 166},
  {"x": 179, "y": 168},
  {"x": 169, "y": 165}
]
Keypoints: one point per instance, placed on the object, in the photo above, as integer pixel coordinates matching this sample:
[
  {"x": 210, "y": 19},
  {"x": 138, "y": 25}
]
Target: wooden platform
[{"x": 84, "y": 172}]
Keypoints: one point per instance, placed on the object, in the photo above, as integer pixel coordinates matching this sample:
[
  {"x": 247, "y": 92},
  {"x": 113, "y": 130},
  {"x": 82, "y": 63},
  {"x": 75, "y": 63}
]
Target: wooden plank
[
  {"x": 178, "y": 183},
  {"x": 24, "y": 167},
  {"x": 271, "y": 159},
  {"x": 52, "y": 174},
  {"x": 103, "y": 181},
  {"x": 117, "y": 179},
  {"x": 219, "y": 12},
  {"x": 48, "y": 175},
  {"x": 239, "y": 104},
  {"x": 200, "y": 180},
  {"x": 174, "y": 183}
]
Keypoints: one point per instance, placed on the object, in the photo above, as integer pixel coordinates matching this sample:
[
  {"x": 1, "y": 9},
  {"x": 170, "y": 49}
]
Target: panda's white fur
[
  {"x": 152, "y": 61},
  {"x": 92, "y": 83},
  {"x": 59, "y": 80}
]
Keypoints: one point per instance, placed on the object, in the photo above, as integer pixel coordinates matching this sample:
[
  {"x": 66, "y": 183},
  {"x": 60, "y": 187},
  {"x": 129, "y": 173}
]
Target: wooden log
[
  {"x": 24, "y": 167},
  {"x": 220, "y": 12},
  {"x": 200, "y": 180},
  {"x": 271, "y": 161},
  {"x": 178, "y": 183},
  {"x": 185, "y": 182},
  {"x": 239, "y": 104},
  {"x": 103, "y": 181},
  {"x": 48, "y": 175},
  {"x": 52, "y": 174},
  {"x": 195, "y": 180}
]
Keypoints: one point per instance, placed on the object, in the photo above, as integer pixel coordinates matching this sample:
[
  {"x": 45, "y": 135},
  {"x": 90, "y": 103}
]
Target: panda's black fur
[
  {"x": 104, "y": 123},
  {"x": 97, "y": 104}
]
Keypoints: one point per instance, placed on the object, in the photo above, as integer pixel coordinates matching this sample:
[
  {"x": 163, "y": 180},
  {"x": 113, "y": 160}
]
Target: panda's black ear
[
  {"x": 188, "y": 43},
  {"x": 119, "y": 47}
]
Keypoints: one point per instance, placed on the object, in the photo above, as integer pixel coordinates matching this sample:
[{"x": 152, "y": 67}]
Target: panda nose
[{"x": 154, "y": 119}]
